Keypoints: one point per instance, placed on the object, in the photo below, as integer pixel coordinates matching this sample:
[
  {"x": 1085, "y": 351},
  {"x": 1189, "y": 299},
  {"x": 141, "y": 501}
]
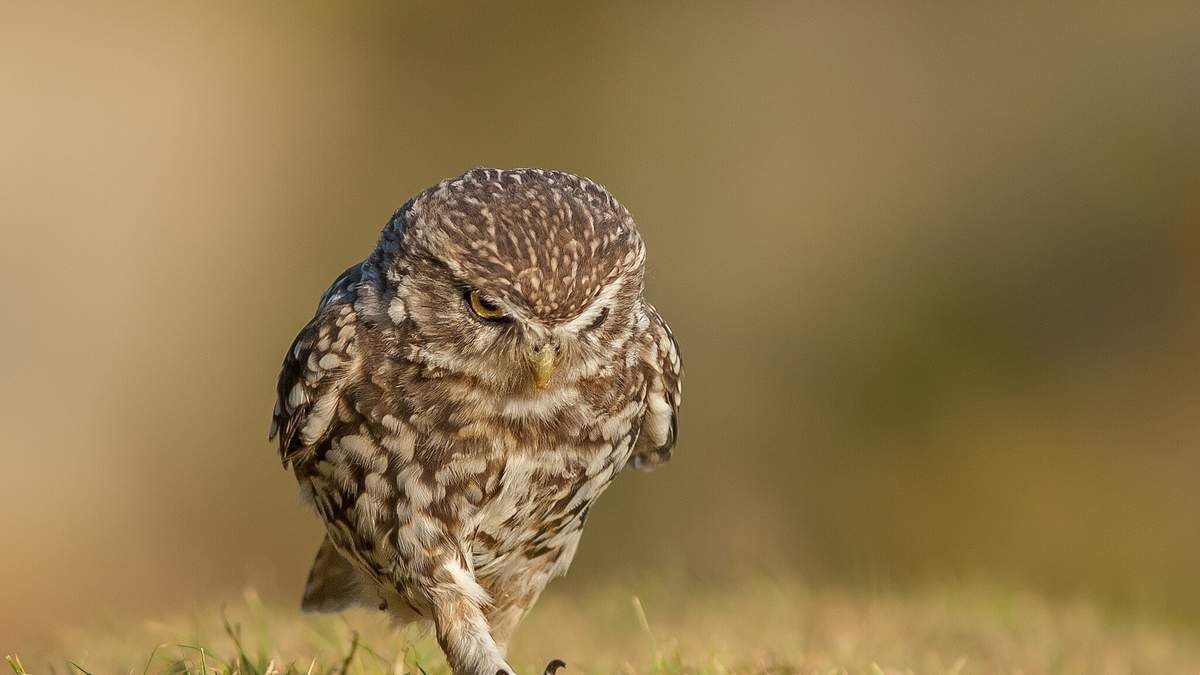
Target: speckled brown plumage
[{"x": 464, "y": 395}]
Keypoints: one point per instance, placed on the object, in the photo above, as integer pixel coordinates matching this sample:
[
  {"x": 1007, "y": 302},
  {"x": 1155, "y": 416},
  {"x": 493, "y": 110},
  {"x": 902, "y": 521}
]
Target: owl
[{"x": 464, "y": 395}]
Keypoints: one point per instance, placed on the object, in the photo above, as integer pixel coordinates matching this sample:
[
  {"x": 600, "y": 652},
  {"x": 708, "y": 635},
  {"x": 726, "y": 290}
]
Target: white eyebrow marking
[{"x": 602, "y": 300}]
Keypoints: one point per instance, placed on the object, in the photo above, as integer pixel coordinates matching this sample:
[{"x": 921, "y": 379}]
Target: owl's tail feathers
[{"x": 335, "y": 585}]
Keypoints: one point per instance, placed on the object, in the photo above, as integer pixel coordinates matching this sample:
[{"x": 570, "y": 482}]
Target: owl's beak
[{"x": 543, "y": 363}]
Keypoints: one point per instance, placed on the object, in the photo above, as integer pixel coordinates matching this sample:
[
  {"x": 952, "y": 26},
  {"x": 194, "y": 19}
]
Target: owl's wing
[
  {"x": 335, "y": 584},
  {"x": 663, "y": 370},
  {"x": 320, "y": 364}
]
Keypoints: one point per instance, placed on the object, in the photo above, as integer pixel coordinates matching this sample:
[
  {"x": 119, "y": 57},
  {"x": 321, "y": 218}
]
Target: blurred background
[{"x": 934, "y": 270}]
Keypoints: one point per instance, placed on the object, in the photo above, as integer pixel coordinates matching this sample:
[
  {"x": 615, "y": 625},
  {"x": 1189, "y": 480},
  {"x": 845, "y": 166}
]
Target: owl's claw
[{"x": 553, "y": 666}]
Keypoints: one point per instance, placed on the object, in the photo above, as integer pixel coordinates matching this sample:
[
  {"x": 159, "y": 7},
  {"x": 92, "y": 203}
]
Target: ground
[{"x": 762, "y": 627}]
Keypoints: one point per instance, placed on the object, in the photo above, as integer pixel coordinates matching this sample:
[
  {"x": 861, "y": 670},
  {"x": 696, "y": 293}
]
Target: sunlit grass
[{"x": 763, "y": 627}]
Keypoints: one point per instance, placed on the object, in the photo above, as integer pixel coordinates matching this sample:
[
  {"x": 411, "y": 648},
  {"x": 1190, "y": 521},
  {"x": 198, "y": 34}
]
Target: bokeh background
[{"x": 934, "y": 269}]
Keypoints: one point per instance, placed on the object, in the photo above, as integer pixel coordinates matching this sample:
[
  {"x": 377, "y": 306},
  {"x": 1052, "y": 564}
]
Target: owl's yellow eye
[{"x": 484, "y": 308}]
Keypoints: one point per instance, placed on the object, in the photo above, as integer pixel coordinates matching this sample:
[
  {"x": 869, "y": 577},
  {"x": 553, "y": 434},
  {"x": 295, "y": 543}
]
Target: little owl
[{"x": 464, "y": 395}]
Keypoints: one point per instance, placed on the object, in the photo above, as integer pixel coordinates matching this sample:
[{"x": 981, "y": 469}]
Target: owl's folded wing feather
[
  {"x": 664, "y": 390},
  {"x": 317, "y": 368},
  {"x": 335, "y": 584}
]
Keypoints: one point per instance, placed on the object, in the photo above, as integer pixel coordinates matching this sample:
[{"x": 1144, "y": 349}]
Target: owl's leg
[
  {"x": 504, "y": 622},
  {"x": 462, "y": 630}
]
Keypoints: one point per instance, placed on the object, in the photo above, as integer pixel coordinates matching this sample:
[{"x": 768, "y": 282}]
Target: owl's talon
[{"x": 553, "y": 666}]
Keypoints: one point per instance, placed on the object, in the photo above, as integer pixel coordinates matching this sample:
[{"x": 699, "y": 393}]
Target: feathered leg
[{"x": 462, "y": 629}]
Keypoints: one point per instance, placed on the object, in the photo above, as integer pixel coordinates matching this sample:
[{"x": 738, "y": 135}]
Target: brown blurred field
[{"x": 934, "y": 269}]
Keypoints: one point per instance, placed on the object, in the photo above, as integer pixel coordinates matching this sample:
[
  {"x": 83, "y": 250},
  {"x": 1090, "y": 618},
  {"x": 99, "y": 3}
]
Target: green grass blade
[{"x": 15, "y": 664}]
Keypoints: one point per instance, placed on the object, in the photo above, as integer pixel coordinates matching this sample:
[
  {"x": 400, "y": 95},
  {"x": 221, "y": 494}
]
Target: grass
[{"x": 765, "y": 627}]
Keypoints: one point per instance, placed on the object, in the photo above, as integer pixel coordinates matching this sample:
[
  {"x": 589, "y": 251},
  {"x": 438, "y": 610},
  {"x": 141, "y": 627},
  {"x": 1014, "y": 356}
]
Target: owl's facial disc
[{"x": 527, "y": 352}]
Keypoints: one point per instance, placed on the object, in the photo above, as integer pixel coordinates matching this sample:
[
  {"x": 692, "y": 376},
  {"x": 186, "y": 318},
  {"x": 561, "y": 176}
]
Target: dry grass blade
[{"x": 345, "y": 669}]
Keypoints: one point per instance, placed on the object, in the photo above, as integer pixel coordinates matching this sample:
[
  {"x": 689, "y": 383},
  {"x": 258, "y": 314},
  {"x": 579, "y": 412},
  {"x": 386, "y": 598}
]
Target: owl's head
[{"x": 521, "y": 279}]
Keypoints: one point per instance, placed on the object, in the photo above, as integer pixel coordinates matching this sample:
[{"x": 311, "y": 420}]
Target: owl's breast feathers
[{"x": 394, "y": 480}]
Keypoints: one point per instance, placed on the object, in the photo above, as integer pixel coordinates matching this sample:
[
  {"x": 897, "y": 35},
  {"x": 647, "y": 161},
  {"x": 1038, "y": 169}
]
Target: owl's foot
[{"x": 553, "y": 666}]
